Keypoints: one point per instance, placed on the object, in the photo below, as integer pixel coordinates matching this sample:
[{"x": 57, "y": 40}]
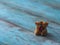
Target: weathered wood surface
[{"x": 17, "y": 18}]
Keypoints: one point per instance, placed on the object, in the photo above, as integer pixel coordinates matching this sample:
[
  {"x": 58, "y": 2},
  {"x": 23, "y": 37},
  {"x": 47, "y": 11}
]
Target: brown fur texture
[{"x": 44, "y": 26}]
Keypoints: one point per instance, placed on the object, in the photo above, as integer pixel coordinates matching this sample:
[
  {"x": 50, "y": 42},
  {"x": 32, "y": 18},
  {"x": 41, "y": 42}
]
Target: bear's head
[{"x": 43, "y": 24}]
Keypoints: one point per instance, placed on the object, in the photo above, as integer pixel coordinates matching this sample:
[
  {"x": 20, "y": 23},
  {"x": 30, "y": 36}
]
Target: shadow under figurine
[{"x": 41, "y": 28}]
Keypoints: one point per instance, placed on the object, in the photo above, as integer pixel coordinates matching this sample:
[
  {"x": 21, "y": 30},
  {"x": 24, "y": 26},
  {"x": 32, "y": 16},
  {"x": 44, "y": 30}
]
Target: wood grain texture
[{"x": 18, "y": 17}]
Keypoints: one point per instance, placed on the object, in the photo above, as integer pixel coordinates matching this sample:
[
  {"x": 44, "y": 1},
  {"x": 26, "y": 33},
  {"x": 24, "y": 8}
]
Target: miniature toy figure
[{"x": 41, "y": 28}]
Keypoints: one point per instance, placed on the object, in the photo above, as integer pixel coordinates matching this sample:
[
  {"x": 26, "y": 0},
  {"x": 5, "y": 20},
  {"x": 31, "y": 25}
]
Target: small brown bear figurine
[{"x": 41, "y": 28}]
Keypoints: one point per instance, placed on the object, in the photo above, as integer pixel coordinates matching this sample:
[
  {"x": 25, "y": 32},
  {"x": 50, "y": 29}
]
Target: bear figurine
[{"x": 41, "y": 28}]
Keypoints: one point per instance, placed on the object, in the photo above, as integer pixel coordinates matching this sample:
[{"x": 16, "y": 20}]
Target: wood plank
[{"x": 17, "y": 22}]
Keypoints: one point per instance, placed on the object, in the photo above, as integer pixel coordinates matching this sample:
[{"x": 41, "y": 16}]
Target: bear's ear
[
  {"x": 41, "y": 22},
  {"x": 46, "y": 24},
  {"x": 37, "y": 23}
]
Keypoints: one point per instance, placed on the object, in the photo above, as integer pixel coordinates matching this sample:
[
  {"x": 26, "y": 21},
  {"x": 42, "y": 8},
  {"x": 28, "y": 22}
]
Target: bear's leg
[
  {"x": 37, "y": 32},
  {"x": 44, "y": 32}
]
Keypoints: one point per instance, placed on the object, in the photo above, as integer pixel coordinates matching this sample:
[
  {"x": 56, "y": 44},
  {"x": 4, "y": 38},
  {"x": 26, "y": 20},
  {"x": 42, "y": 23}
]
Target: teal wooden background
[{"x": 18, "y": 17}]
